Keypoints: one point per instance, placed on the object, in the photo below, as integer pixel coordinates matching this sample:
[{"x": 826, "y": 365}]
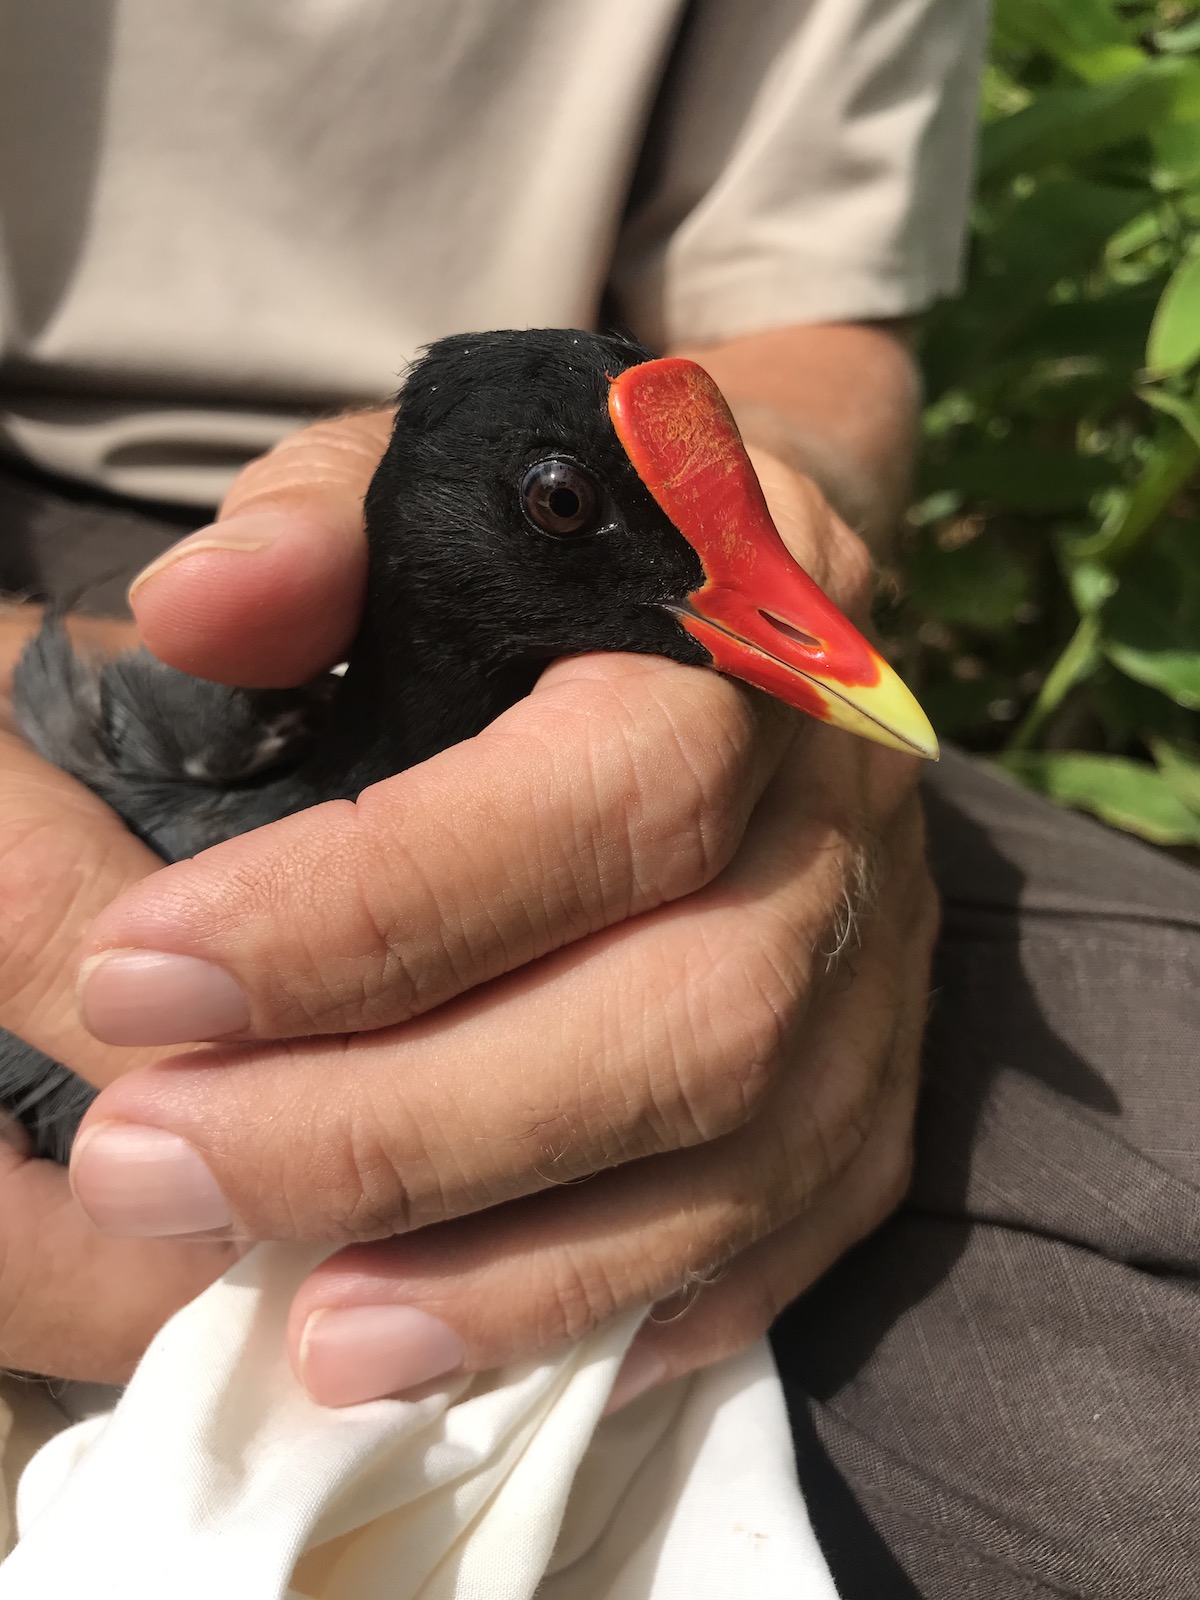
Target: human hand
[
  {"x": 592, "y": 943},
  {"x": 72, "y": 1302}
]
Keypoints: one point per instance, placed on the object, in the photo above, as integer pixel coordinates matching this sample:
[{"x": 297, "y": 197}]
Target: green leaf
[
  {"x": 1112, "y": 326},
  {"x": 1058, "y": 29},
  {"x": 1185, "y": 412},
  {"x": 979, "y": 585},
  {"x": 1152, "y": 623},
  {"x": 1069, "y": 390},
  {"x": 1133, "y": 714},
  {"x": 1177, "y": 153},
  {"x": 1020, "y": 476},
  {"x": 1000, "y": 93},
  {"x": 1180, "y": 766},
  {"x": 1094, "y": 66},
  {"x": 1174, "y": 341},
  {"x": 1127, "y": 794},
  {"x": 1173, "y": 671},
  {"x": 1187, "y": 102},
  {"x": 1057, "y": 232},
  {"x": 1091, "y": 583},
  {"x": 1084, "y": 35},
  {"x": 1064, "y": 124},
  {"x": 1059, "y": 473},
  {"x": 1184, "y": 40},
  {"x": 1060, "y": 229}
]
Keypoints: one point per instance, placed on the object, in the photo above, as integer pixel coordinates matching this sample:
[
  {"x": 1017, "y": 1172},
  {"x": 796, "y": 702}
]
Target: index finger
[{"x": 621, "y": 783}]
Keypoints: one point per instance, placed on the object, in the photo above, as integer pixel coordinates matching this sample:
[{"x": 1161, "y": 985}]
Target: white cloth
[{"x": 216, "y": 1478}]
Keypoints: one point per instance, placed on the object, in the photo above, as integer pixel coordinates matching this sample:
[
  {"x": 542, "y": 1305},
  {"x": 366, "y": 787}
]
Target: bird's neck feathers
[{"x": 411, "y": 689}]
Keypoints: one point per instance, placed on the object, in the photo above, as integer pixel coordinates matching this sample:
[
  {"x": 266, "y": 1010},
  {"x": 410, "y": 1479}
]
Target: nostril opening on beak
[{"x": 794, "y": 634}]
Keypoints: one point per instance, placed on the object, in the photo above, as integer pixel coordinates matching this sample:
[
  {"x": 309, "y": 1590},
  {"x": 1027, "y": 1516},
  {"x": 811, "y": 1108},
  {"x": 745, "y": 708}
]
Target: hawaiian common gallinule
[{"x": 544, "y": 493}]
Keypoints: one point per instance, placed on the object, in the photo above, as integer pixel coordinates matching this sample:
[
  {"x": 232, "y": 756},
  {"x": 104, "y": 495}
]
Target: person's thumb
[{"x": 270, "y": 593}]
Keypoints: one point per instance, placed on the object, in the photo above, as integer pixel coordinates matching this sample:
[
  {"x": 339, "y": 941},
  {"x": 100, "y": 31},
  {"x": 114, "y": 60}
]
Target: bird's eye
[{"x": 559, "y": 497}]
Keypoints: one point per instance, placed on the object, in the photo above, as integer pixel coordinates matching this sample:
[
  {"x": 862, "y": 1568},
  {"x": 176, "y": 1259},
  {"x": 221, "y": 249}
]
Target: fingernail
[
  {"x": 640, "y": 1370},
  {"x": 254, "y": 531},
  {"x": 151, "y": 997},
  {"x": 367, "y": 1352},
  {"x": 145, "y": 1183}
]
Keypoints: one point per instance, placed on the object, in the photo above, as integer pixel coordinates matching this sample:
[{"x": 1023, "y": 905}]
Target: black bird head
[
  {"x": 548, "y": 492},
  {"x": 506, "y": 504}
]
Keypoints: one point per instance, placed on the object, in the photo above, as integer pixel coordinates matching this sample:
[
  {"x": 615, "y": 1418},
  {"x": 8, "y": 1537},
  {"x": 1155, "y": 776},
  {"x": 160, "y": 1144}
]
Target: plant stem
[
  {"x": 1149, "y": 499},
  {"x": 1114, "y": 544},
  {"x": 1078, "y": 661}
]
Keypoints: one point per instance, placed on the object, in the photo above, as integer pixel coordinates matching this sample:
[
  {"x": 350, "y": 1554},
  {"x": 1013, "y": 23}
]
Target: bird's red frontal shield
[{"x": 758, "y": 613}]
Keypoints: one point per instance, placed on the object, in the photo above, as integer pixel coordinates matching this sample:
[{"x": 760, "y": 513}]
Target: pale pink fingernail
[
  {"x": 640, "y": 1370},
  {"x": 253, "y": 531},
  {"x": 152, "y": 997},
  {"x": 145, "y": 1183},
  {"x": 366, "y": 1352}
]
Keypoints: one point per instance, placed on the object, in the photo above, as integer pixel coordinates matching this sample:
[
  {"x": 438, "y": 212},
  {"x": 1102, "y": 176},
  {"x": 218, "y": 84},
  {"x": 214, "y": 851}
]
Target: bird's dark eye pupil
[
  {"x": 564, "y": 503},
  {"x": 559, "y": 497}
]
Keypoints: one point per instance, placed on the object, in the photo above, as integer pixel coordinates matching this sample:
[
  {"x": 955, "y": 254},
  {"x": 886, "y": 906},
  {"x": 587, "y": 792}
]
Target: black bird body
[{"x": 507, "y": 525}]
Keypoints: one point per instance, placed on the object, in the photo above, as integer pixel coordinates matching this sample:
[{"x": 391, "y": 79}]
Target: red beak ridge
[{"x": 758, "y": 613}]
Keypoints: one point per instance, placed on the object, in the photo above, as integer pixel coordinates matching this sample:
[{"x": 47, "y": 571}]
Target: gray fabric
[
  {"x": 68, "y": 543},
  {"x": 993, "y": 1397}
]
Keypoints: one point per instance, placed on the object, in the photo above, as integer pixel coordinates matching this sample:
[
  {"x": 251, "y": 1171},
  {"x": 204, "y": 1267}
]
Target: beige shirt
[{"x": 219, "y": 216}]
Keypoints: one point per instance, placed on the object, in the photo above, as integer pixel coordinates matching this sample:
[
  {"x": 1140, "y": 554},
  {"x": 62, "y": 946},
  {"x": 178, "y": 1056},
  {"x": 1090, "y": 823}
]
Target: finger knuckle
[
  {"x": 742, "y": 1009},
  {"x": 709, "y": 817},
  {"x": 332, "y": 454},
  {"x": 645, "y": 788},
  {"x": 336, "y": 959},
  {"x": 691, "y": 768},
  {"x": 422, "y": 936},
  {"x": 357, "y": 1192},
  {"x": 578, "y": 1295},
  {"x": 717, "y": 1241},
  {"x": 770, "y": 1003}
]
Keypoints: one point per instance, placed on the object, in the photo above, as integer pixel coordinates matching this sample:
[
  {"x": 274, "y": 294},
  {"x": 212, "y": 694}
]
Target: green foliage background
[{"x": 1049, "y": 609}]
